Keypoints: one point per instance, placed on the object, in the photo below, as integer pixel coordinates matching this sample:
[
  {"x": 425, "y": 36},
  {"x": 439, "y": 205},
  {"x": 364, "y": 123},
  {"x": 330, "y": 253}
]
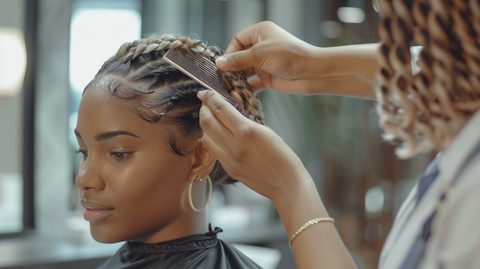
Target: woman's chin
[{"x": 106, "y": 238}]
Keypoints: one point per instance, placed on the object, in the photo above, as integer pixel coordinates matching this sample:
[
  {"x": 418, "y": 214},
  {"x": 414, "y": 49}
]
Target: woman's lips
[{"x": 95, "y": 212}]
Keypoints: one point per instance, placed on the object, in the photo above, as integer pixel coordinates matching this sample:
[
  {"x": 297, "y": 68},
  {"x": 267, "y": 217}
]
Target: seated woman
[{"x": 143, "y": 161}]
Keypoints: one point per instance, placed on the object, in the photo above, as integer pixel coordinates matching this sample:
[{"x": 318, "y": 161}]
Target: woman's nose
[{"x": 89, "y": 176}]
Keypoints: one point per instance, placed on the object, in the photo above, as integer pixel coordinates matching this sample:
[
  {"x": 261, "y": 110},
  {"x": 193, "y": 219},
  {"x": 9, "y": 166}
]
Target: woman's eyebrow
[
  {"x": 77, "y": 134},
  {"x": 108, "y": 135}
]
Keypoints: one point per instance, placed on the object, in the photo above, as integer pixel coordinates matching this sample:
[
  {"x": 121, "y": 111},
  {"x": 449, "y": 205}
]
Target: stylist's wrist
[
  {"x": 299, "y": 203},
  {"x": 290, "y": 183}
]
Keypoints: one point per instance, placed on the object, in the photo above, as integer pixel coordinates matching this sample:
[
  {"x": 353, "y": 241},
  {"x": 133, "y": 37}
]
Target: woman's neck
[{"x": 188, "y": 224}]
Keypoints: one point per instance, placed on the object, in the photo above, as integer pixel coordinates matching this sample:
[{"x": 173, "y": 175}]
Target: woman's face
[{"x": 131, "y": 184}]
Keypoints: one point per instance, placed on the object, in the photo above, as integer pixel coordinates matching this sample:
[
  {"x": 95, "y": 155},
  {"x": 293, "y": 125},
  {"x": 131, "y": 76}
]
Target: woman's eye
[
  {"x": 121, "y": 155},
  {"x": 84, "y": 153}
]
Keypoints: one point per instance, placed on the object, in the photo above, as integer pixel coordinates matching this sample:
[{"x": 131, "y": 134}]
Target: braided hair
[
  {"x": 425, "y": 111},
  {"x": 154, "y": 88}
]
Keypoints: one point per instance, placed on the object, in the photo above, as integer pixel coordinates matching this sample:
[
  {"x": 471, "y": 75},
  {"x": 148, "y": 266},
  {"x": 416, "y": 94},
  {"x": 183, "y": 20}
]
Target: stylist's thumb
[{"x": 237, "y": 61}]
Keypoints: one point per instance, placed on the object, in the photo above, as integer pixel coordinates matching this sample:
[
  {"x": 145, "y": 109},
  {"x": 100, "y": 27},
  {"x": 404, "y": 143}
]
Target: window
[
  {"x": 16, "y": 122},
  {"x": 98, "y": 29}
]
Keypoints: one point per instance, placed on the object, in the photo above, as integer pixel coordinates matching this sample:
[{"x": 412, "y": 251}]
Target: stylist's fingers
[
  {"x": 223, "y": 113},
  {"x": 217, "y": 151},
  {"x": 244, "y": 39},
  {"x": 237, "y": 61},
  {"x": 257, "y": 84},
  {"x": 249, "y": 72},
  {"x": 211, "y": 125}
]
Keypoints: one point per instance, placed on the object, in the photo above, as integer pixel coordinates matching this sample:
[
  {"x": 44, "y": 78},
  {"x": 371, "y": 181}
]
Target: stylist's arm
[
  {"x": 287, "y": 64},
  {"x": 256, "y": 156}
]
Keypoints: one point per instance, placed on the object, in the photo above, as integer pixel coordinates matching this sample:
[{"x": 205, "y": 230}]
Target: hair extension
[
  {"x": 154, "y": 88},
  {"x": 425, "y": 111}
]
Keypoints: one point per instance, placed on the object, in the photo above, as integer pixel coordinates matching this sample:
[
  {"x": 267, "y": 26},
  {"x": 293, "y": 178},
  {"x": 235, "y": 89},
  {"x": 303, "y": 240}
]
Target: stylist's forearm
[
  {"x": 344, "y": 70},
  {"x": 319, "y": 246}
]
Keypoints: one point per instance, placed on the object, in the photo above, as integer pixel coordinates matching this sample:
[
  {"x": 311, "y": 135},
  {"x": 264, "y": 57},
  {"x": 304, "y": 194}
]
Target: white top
[{"x": 455, "y": 239}]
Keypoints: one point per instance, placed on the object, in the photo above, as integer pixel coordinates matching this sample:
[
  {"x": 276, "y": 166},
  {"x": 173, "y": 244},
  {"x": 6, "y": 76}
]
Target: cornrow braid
[
  {"x": 238, "y": 81},
  {"x": 426, "y": 110},
  {"x": 153, "y": 88}
]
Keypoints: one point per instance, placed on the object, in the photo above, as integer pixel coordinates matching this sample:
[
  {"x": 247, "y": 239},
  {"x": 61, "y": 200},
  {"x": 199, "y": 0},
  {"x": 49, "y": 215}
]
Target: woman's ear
[{"x": 203, "y": 161}]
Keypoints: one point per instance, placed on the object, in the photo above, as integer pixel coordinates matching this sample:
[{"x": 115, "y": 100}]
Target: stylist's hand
[
  {"x": 287, "y": 64},
  {"x": 281, "y": 61},
  {"x": 256, "y": 156},
  {"x": 249, "y": 152}
]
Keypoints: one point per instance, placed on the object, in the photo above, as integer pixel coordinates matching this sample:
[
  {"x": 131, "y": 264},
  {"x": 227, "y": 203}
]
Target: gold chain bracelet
[{"x": 307, "y": 225}]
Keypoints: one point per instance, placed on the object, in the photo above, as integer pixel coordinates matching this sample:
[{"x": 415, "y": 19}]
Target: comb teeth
[{"x": 200, "y": 69}]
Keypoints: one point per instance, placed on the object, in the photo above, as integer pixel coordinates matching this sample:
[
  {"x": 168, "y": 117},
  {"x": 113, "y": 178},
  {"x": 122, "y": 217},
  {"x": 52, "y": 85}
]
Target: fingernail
[
  {"x": 221, "y": 62},
  {"x": 200, "y": 94}
]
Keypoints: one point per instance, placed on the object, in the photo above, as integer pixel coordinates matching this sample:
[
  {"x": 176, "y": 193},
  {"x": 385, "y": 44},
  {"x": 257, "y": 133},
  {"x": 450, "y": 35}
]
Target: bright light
[
  {"x": 13, "y": 61},
  {"x": 415, "y": 54},
  {"x": 374, "y": 200},
  {"x": 96, "y": 35},
  {"x": 351, "y": 14}
]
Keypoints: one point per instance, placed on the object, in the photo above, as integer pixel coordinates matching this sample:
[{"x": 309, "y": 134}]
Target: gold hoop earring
[{"x": 190, "y": 192}]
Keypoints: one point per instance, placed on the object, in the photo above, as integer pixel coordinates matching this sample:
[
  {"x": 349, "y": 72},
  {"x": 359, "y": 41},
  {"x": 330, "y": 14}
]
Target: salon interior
[{"x": 49, "y": 51}]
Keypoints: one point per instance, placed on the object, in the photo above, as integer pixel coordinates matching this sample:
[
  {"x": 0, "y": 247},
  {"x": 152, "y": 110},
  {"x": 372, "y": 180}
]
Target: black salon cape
[{"x": 195, "y": 251}]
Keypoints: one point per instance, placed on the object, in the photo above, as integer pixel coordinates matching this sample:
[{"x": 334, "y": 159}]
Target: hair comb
[{"x": 200, "y": 69}]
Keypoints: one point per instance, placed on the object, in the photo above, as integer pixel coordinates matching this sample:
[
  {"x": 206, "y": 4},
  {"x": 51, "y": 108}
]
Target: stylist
[{"x": 437, "y": 225}]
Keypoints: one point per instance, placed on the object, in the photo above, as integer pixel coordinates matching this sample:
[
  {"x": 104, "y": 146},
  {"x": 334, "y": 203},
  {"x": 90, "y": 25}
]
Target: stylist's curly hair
[
  {"x": 154, "y": 88},
  {"x": 426, "y": 110}
]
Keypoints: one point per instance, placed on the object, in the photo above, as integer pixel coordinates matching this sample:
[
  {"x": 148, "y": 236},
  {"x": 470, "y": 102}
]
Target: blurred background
[{"x": 51, "y": 49}]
